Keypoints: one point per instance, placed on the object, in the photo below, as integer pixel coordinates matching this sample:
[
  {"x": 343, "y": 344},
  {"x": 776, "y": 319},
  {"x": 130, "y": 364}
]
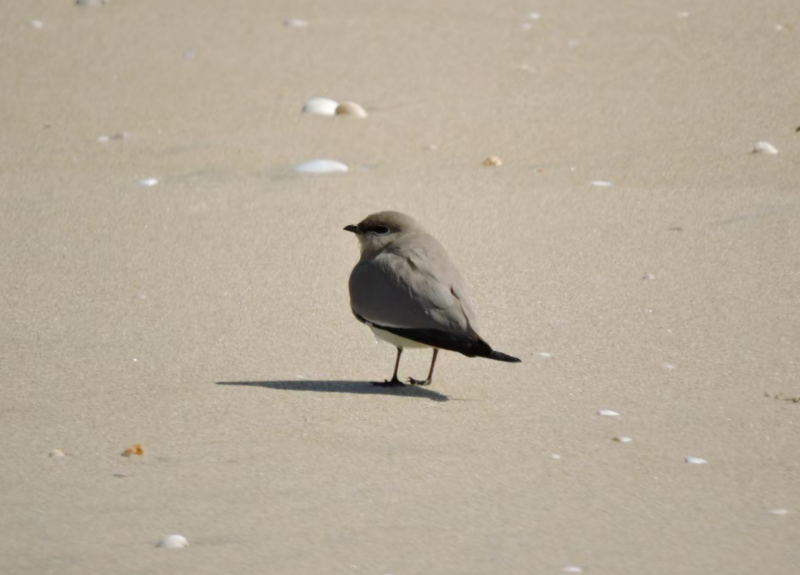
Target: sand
[{"x": 207, "y": 317}]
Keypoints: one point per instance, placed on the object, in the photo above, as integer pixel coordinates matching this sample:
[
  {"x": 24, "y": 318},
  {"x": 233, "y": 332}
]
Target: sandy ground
[{"x": 207, "y": 317}]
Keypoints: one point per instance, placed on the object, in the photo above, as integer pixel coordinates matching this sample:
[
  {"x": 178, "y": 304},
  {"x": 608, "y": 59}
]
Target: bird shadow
[{"x": 340, "y": 386}]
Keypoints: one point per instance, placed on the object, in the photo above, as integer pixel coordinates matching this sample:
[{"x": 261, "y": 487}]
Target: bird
[{"x": 408, "y": 291}]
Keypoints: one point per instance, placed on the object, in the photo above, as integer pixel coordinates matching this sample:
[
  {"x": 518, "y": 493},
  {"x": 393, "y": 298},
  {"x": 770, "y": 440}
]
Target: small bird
[{"x": 406, "y": 289}]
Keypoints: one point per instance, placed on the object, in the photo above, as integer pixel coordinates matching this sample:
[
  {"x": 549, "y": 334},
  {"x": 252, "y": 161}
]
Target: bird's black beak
[{"x": 351, "y": 228}]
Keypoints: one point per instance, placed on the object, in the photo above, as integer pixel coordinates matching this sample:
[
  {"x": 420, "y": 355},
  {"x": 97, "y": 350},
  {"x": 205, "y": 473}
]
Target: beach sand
[{"x": 207, "y": 317}]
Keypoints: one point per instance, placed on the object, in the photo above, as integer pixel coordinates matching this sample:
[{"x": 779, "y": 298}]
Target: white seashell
[
  {"x": 764, "y": 148},
  {"x": 57, "y": 454},
  {"x": 320, "y": 107},
  {"x": 601, "y": 183},
  {"x": 295, "y": 23},
  {"x": 648, "y": 276},
  {"x": 321, "y": 167},
  {"x": 779, "y": 511},
  {"x": 148, "y": 182},
  {"x": 695, "y": 460},
  {"x": 571, "y": 569},
  {"x": 607, "y": 413},
  {"x": 555, "y": 456},
  {"x": 545, "y": 354},
  {"x": 623, "y": 439},
  {"x": 534, "y": 15},
  {"x": 351, "y": 109},
  {"x": 173, "y": 542}
]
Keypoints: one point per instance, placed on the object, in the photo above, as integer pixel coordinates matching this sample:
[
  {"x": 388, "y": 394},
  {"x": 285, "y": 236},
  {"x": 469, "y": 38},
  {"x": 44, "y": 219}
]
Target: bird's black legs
[
  {"x": 394, "y": 381},
  {"x": 428, "y": 381}
]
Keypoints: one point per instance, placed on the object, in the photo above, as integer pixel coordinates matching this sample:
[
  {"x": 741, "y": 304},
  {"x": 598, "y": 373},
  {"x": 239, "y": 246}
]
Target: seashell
[
  {"x": 607, "y": 413},
  {"x": 623, "y": 439},
  {"x": 321, "y": 167},
  {"x": 648, "y": 276},
  {"x": 764, "y": 148},
  {"x": 173, "y": 542},
  {"x": 135, "y": 449},
  {"x": 601, "y": 183},
  {"x": 320, "y": 107},
  {"x": 571, "y": 569},
  {"x": 779, "y": 511},
  {"x": 295, "y": 23},
  {"x": 534, "y": 16},
  {"x": 351, "y": 109},
  {"x": 493, "y": 161},
  {"x": 545, "y": 355},
  {"x": 57, "y": 454},
  {"x": 148, "y": 182},
  {"x": 555, "y": 456},
  {"x": 695, "y": 460}
]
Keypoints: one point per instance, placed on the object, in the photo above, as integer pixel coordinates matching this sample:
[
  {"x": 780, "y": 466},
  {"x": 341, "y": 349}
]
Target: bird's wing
[{"x": 413, "y": 289}]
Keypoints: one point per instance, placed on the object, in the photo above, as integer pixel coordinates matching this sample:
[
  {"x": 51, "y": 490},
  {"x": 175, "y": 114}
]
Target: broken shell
[
  {"x": 623, "y": 439},
  {"x": 173, "y": 542},
  {"x": 492, "y": 161},
  {"x": 57, "y": 454},
  {"x": 571, "y": 569},
  {"x": 351, "y": 109},
  {"x": 764, "y": 148},
  {"x": 607, "y": 413},
  {"x": 320, "y": 107},
  {"x": 601, "y": 183},
  {"x": 295, "y": 23},
  {"x": 321, "y": 167},
  {"x": 695, "y": 460},
  {"x": 148, "y": 182},
  {"x": 779, "y": 511},
  {"x": 135, "y": 449}
]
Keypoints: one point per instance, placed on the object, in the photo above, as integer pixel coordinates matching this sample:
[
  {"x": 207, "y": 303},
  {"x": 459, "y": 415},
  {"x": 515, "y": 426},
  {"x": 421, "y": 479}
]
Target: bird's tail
[{"x": 500, "y": 356}]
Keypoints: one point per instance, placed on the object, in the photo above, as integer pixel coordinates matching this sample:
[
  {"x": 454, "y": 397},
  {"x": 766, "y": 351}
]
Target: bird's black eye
[{"x": 381, "y": 230}]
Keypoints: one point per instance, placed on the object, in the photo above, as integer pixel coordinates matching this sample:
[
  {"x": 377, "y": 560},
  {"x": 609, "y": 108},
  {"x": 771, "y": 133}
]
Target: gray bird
[{"x": 406, "y": 289}]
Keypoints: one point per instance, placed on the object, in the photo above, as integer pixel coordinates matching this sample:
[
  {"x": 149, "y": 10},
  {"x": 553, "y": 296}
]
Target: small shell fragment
[
  {"x": 555, "y": 456},
  {"x": 779, "y": 511},
  {"x": 623, "y": 439},
  {"x": 351, "y": 109},
  {"x": 648, "y": 276},
  {"x": 38, "y": 24},
  {"x": 147, "y": 182},
  {"x": 295, "y": 23},
  {"x": 607, "y": 413},
  {"x": 571, "y": 569},
  {"x": 173, "y": 542},
  {"x": 695, "y": 460},
  {"x": 601, "y": 183},
  {"x": 493, "y": 161},
  {"x": 135, "y": 449},
  {"x": 321, "y": 167},
  {"x": 545, "y": 354},
  {"x": 57, "y": 454},
  {"x": 320, "y": 107},
  {"x": 765, "y": 148}
]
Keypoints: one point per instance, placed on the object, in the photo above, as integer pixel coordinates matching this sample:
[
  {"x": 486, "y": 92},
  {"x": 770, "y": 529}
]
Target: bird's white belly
[{"x": 396, "y": 340}]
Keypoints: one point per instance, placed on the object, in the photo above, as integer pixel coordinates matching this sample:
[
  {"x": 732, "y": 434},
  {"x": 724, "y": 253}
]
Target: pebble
[
  {"x": 148, "y": 182},
  {"x": 321, "y": 167},
  {"x": 320, "y": 107},
  {"x": 765, "y": 148},
  {"x": 493, "y": 161},
  {"x": 173, "y": 542},
  {"x": 350, "y": 109},
  {"x": 607, "y": 413},
  {"x": 623, "y": 439},
  {"x": 601, "y": 183},
  {"x": 695, "y": 460}
]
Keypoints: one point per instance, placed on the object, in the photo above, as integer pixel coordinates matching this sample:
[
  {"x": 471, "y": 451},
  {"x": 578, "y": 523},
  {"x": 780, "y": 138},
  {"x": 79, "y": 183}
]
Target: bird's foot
[
  {"x": 394, "y": 382},
  {"x": 412, "y": 381}
]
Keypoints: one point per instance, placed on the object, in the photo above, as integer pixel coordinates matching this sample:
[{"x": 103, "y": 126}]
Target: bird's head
[{"x": 377, "y": 231}]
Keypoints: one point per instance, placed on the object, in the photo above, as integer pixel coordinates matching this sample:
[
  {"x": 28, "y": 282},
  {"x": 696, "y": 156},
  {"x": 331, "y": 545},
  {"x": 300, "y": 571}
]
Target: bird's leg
[
  {"x": 430, "y": 373},
  {"x": 394, "y": 381}
]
